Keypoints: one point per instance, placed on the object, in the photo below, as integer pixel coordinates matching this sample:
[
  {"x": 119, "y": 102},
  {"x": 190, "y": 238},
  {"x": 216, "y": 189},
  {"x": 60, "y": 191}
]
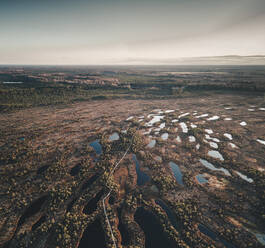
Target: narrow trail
[{"x": 103, "y": 200}]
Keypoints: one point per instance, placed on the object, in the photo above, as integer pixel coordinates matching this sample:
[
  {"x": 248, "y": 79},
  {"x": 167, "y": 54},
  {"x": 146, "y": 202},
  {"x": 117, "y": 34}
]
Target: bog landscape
[{"x": 132, "y": 156}]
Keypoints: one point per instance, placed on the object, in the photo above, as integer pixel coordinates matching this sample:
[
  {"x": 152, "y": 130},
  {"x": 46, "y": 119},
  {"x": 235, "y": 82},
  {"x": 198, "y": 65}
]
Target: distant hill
[{"x": 211, "y": 60}]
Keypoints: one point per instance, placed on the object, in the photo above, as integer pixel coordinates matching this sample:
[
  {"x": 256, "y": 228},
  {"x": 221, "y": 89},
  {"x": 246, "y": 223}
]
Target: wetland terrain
[{"x": 130, "y": 157}]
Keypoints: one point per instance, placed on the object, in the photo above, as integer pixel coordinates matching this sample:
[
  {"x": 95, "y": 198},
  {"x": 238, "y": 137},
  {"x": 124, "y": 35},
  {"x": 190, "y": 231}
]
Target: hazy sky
[{"x": 128, "y": 31}]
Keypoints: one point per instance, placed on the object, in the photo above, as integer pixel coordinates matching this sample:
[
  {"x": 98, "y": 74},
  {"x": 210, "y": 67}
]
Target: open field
[{"x": 54, "y": 173}]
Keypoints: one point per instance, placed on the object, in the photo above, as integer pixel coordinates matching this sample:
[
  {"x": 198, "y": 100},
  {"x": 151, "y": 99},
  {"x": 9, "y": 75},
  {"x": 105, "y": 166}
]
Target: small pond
[
  {"x": 213, "y": 145},
  {"x": 215, "y": 154},
  {"x": 91, "y": 206},
  {"x": 97, "y": 147},
  {"x": 207, "y": 136},
  {"x": 182, "y": 115},
  {"x": 208, "y": 232},
  {"x": 177, "y": 172},
  {"x": 261, "y": 141},
  {"x": 243, "y": 123},
  {"x": 201, "y": 116},
  {"x": 154, "y": 120},
  {"x": 169, "y": 111},
  {"x": 153, "y": 230},
  {"x": 142, "y": 177},
  {"x": 158, "y": 158},
  {"x": 260, "y": 237},
  {"x": 184, "y": 127},
  {"x": 164, "y": 136},
  {"x": 244, "y": 177},
  {"x": 162, "y": 125},
  {"x": 178, "y": 139},
  {"x": 212, "y": 167},
  {"x": 209, "y": 131},
  {"x": 214, "y": 118},
  {"x": 151, "y": 144},
  {"x": 233, "y": 145},
  {"x": 228, "y": 135},
  {"x": 114, "y": 136},
  {"x": 201, "y": 179},
  {"x": 168, "y": 211},
  {"x": 93, "y": 234}
]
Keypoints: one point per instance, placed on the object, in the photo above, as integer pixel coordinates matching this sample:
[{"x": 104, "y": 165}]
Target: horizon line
[{"x": 180, "y": 61}]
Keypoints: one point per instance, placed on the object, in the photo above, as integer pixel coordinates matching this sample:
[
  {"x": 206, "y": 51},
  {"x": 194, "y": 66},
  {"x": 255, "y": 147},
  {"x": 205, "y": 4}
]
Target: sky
[{"x": 85, "y": 32}]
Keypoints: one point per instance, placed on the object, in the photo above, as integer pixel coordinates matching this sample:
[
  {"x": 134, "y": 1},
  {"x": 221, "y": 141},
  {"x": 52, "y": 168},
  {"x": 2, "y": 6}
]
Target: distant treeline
[
  {"x": 35, "y": 93},
  {"x": 207, "y": 86}
]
